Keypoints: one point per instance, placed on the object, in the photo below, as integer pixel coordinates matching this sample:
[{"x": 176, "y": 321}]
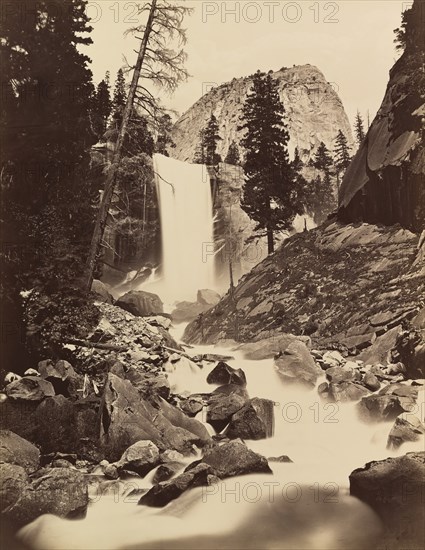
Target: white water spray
[{"x": 185, "y": 203}]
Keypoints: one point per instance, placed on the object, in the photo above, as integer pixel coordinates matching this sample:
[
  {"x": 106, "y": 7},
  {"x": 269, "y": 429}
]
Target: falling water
[{"x": 185, "y": 204}]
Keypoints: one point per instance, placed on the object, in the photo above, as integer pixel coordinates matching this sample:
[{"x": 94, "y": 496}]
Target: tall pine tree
[
  {"x": 102, "y": 107},
  {"x": 233, "y": 155},
  {"x": 359, "y": 128},
  {"x": 211, "y": 139},
  {"x": 270, "y": 195},
  {"x": 342, "y": 153},
  {"x": 119, "y": 99}
]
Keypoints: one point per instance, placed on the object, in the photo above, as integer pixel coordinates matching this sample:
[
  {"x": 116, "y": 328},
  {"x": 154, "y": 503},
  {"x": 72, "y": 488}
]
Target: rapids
[{"x": 303, "y": 505}]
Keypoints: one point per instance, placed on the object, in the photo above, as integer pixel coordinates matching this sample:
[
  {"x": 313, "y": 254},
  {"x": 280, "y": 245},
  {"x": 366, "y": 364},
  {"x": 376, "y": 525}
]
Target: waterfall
[{"x": 185, "y": 204}]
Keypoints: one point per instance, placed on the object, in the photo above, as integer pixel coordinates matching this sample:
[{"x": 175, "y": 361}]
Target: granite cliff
[{"x": 314, "y": 113}]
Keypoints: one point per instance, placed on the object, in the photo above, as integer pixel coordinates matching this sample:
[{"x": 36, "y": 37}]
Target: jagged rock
[
  {"x": 233, "y": 459},
  {"x": 140, "y": 458},
  {"x": 394, "y": 489},
  {"x": 170, "y": 456},
  {"x": 61, "y": 463},
  {"x": 405, "y": 428},
  {"x": 163, "y": 493},
  {"x": 342, "y": 374},
  {"x": 410, "y": 345},
  {"x": 127, "y": 418},
  {"x": 192, "y": 405},
  {"x": 166, "y": 471},
  {"x": 224, "y": 374},
  {"x": 346, "y": 391},
  {"x": 323, "y": 390},
  {"x": 224, "y": 402},
  {"x": 68, "y": 426},
  {"x": 141, "y": 303},
  {"x": 254, "y": 421},
  {"x": 101, "y": 291},
  {"x": 30, "y": 388},
  {"x": 62, "y": 376},
  {"x": 267, "y": 347},
  {"x": 59, "y": 491},
  {"x": 296, "y": 365},
  {"x": 111, "y": 472},
  {"x": 13, "y": 481},
  {"x": 208, "y": 297},
  {"x": 48, "y": 458},
  {"x": 379, "y": 351},
  {"x": 18, "y": 416},
  {"x": 371, "y": 382},
  {"x": 149, "y": 384},
  {"x": 16, "y": 450},
  {"x": 388, "y": 403},
  {"x": 332, "y": 359}
]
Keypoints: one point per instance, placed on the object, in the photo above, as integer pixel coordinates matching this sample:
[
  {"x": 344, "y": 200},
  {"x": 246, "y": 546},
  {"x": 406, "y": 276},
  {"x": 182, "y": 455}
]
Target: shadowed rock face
[
  {"x": 385, "y": 181},
  {"x": 314, "y": 113}
]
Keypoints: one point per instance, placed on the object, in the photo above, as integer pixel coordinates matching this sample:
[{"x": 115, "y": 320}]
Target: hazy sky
[{"x": 350, "y": 41}]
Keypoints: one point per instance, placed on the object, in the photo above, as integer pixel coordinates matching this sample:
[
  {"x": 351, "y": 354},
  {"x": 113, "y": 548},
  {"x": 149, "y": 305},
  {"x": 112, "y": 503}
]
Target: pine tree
[
  {"x": 200, "y": 155},
  {"x": 342, "y": 155},
  {"x": 323, "y": 160},
  {"x": 120, "y": 98},
  {"x": 164, "y": 139},
  {"x": 359, "y": 128},
  {"x": 102, "y": 107},
  {"x": 211, "y": 137},
  {"x": 233, "y": 155},
  {"x": 270, "y": 194}
]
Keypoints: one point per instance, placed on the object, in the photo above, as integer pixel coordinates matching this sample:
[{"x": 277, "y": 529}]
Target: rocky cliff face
[
  {"x": 314, "y": 113},
  {"x": 385, "y": 181}
]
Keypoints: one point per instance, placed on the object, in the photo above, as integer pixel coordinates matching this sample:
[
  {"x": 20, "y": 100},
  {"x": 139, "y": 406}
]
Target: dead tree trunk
[{"x": 105, "y": 204}]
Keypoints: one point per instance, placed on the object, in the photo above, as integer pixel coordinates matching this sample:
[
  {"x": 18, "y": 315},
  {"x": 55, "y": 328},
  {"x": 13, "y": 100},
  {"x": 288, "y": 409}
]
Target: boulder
[
  {"x": 405, "y": 428},
  {"x": 224, "y": 374},
  {"x": 282, "y": 459},
  {"x": 149, "y": 384},
  {"x": 332, "y": 359},
  {"x": 371, "y": 382},
  {"x": 267, "y": 348},
  {"x": 101, "y": 291},
  {"x": 59, "y": 491},
  {"x": 188, "y": 311},
  {"x": 208, "y": 297},
  {"x": 163, "y": 493},
  {"x": 166, "y": 471},
  {"x": 140, "y": 458},
  {"x": 141, "y": 303},
  {"x": 30, "y": 388},
  {"x": 342, "y": 374},
  {"x": 16, "y": 450},
  {"x": 296, "y": 365},
  {"x": 394, "y": 488},
  {"x": 346, "y": 391},
  {"x": 223, "y": 403},
  {"x": 13, "y": 481},
  {"x": 388, "y": 403},
  {"x": 62, "y": 376},
  {"x": 192, "y": 405},
  {"x": 255, "y": 420},
  {"x": 233, "y": 459}
]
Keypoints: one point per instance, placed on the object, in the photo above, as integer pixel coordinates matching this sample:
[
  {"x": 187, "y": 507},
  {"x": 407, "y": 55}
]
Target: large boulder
[
  {"x": 267, "y": 348},
  {"x": 233, "y": 459},
  {"x": 163, "y": 493},
  {"x": 223, "y": 403},
  {"x": 222, "y": 374},
  {"x": 394, "y": 488},
  {"x": 149, "y": 384},
  {"x": 208, "y": 297},
  {"x": 254, "y": 421},
  {"x": 13, "y": 481},
  {"x": 343, "y": 373},
  {"x": 128, "y": 418},
  {"x": 59, "y": 491},
  {"x": 388, "y": 403},
  {"x": 16, "y": 450},
  {"x": 296, "y": 365},
  {"x": 404, "y": 430},
  {"x": 140, "y": 458},
  {"x": 141, "y": 303},
  {"x": 30, "y": 388},
  {"x": 346, "y": 391}
]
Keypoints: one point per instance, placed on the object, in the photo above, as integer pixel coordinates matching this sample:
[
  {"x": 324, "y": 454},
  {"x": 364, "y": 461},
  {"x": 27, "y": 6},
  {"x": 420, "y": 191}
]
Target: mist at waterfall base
[
  {"x": 302, "y": 505},
  {"x": 187, "y": 230}
]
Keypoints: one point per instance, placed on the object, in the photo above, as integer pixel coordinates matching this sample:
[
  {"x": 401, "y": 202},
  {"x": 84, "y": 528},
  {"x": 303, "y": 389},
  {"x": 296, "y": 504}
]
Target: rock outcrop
[
  {"x": 349, "y": 287},
  {"x": 385, "y": 181},
  {"x": 314, "y": 113}
]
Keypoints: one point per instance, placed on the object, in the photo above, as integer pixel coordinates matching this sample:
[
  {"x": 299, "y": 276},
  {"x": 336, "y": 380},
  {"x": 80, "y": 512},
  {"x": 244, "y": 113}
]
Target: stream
[{"x": 303, "y": 505}]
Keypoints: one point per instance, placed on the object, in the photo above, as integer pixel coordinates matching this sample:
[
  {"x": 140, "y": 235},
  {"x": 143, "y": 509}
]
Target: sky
[{"x": 350, "y": 41}]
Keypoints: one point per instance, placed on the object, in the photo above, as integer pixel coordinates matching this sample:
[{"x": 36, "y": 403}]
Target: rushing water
[
  {"x": 184, "y": 194},
  {"x": 303, "y": 505}
]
